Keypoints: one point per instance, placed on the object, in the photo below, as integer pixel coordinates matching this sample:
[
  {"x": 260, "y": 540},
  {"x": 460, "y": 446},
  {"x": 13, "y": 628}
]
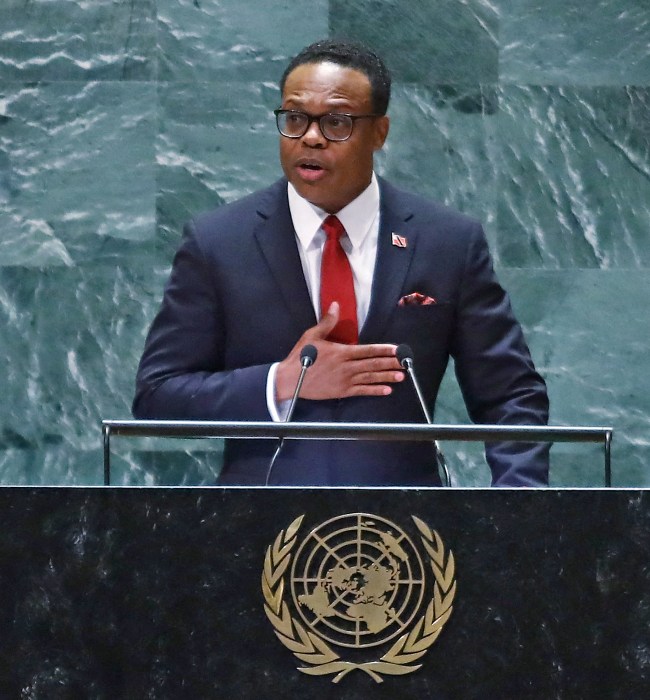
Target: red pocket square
[{"x": 416, "y": 299}]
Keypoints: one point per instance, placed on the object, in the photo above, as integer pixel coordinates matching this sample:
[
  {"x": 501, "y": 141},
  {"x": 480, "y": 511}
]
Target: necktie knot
[{"x": 333, "y": 228}]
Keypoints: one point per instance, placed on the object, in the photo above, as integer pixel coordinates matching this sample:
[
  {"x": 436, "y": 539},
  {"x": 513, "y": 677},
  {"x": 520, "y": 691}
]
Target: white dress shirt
[{"x": 360, "y": 218}]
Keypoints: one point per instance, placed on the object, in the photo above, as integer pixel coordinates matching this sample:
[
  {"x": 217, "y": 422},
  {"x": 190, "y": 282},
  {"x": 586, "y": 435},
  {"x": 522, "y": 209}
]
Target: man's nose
[{"x": 313, "y": 137}]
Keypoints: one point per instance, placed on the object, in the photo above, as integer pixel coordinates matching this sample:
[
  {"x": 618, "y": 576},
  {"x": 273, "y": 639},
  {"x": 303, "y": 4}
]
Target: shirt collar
[{"x": 357, "y": 216}]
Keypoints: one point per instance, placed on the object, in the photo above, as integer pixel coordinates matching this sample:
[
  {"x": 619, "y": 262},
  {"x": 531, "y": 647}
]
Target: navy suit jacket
[{"x": 237, "y": 301}]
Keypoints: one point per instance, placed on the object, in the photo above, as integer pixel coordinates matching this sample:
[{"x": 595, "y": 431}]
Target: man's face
[{"x": 330, "y": 174}]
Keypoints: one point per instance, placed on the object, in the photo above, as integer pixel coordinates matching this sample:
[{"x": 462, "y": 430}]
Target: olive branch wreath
[{"x": 323, "y": 660}]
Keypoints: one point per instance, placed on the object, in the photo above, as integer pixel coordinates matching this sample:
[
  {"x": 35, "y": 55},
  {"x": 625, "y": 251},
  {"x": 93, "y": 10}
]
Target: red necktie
[{"x": 336, "y": 284}]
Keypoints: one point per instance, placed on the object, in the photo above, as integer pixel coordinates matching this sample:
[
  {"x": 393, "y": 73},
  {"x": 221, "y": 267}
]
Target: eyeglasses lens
[{"x": 334, "y": 127}]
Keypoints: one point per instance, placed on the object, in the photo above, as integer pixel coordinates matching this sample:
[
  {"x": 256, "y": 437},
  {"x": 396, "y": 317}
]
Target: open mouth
[{"x": 311, "y": 171}]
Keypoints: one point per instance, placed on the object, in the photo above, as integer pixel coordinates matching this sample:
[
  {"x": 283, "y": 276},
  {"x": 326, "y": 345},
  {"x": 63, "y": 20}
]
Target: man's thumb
[{"x": 326, "y": 325}]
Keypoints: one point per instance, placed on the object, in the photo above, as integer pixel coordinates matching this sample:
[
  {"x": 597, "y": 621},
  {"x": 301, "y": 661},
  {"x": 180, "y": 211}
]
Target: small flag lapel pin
[{"x": 398, "y": 241}]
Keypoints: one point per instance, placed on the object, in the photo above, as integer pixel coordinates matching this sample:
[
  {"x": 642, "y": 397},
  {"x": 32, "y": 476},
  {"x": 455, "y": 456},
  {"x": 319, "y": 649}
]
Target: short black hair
[{"x": 349, "y": 54}]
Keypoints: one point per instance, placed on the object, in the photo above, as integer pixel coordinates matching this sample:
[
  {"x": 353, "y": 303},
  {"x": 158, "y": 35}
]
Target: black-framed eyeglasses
[{"x": 335, "y": 127}]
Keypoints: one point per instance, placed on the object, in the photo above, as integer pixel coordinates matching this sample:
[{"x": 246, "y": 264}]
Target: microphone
[
  {"x": 308, "y": 356},
  {"x": 405, "y": 358}
]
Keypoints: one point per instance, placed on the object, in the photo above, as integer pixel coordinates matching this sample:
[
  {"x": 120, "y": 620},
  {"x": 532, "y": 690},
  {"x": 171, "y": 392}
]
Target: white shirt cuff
[{"x": 277, "y": 410}]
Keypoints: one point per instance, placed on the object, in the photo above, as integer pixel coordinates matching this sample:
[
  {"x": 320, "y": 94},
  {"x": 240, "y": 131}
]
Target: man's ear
[{"x": 382, "y": 125}]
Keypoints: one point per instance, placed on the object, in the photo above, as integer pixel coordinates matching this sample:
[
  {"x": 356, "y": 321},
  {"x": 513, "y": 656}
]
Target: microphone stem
[
  {"x": 418, "y": 391},
  {"x": 294, "y": 398},
  {"x": 439, "y": 456},
  {"x": 305, "y": 366}
]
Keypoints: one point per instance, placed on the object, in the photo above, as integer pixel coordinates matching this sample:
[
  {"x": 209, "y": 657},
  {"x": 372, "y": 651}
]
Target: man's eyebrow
[
  {"x": 339, "y": 107},
  {"x": 295, "y": 101}
]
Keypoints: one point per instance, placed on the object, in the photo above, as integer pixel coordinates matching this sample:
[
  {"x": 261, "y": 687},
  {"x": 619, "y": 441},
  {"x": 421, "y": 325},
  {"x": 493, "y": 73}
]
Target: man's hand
[{"x": 340, "y": 370}]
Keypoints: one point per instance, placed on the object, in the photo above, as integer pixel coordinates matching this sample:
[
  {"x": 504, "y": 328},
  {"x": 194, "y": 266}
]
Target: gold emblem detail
[{"x": 358, "y": 582}]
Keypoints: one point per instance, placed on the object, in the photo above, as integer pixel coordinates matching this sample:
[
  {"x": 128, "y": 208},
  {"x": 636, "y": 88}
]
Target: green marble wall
[{"x": 120, "y": 118}]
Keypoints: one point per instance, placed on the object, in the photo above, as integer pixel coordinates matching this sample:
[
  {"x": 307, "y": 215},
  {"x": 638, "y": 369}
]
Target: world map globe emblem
[{"x": 357, "y": 580}]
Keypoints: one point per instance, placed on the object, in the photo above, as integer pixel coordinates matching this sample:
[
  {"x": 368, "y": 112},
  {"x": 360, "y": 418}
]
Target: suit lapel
[
  {"x": 391, "y": 265},
  {"x": 277, "y": 240}
]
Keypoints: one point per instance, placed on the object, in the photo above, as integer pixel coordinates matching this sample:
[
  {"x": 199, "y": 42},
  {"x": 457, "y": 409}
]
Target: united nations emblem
[{"x": 357, "y": 586}]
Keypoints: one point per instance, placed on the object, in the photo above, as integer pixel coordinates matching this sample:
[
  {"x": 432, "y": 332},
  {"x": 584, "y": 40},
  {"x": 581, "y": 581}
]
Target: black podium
[
  {"x": 270, "y": 592},
  {"x": 172, "y": 593}
]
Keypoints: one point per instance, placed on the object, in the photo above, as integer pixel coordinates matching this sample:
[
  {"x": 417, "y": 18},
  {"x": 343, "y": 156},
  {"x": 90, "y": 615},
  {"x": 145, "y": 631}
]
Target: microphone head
[
  {"x": 404, "y": 355},
  {"x": 308, "y": 355}
]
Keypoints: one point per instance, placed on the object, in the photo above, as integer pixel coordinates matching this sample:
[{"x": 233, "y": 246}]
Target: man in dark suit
[{"x": 255, "y": 281}]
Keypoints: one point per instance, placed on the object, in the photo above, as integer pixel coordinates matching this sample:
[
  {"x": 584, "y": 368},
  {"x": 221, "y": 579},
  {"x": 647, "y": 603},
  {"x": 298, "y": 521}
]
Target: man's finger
[
  {"x": 380, "y": 363},
  {"x": 363, "y": 352},
  {"x": 368, "y": 390},
  {"x": 371, "y": 378}
]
